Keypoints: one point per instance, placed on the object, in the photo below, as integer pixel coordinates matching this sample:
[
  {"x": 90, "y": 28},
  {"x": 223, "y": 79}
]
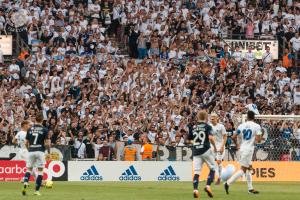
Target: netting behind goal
[{"x": 281, "y": 139}]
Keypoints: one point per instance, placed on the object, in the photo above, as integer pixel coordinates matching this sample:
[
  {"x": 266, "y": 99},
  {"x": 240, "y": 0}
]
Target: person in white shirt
[
  {"x": 297, "y": 16},
  {"x": 176, "y": 117},
  {"x": 289, "y": 15},
  {"x": 297, "y": 95},
  {"x": 250, "y": 56},
  {"x": 80, "y": 147},
  {"x": 152, "y": 134},
  {"x": 295, "y": 42},
  {"x": 237, "y": 54},
  {"x": 219, "y": 132},
  {"x": 94, "y": 9},
  {"x": 296, "y": 130},
  {"x": 14, "y": 70},
  {"x": 215, "y": 27},
  {"x": 267, "y": 56},
  {"x": 249, "y": 133},
  {"x": 20, "y": 139}
]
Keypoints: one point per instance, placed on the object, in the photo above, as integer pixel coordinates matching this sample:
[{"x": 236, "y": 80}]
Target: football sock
[
  {"x": 211, "y": 177},
  {"x": 27, "y": 177},
  {"x": 249, "y": 179},
  {"x": 196, "y": 181},
  {"x": 235, "y": 177},
  {"x": 38, "y": 182},
  {"x": 220, "y": 170}
]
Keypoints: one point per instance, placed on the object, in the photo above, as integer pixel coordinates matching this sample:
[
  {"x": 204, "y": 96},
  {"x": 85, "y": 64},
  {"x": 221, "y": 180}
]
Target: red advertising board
[{"x": 14, "y": 170}]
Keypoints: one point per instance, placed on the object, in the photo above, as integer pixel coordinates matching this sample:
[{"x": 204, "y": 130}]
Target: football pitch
[{"x": 148, "y": 190}]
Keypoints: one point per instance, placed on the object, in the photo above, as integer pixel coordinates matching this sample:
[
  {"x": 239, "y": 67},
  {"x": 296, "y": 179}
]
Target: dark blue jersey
[
  {"x": 200, "y": 135},
  {"x": 36, "y": 137}
]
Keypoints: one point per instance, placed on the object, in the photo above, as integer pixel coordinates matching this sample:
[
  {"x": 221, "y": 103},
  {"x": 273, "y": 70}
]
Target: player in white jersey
[
  {"x": 20, "y": 139},
  {"x": 220, "y": 136},
  {"x": 249, "y": 134}
]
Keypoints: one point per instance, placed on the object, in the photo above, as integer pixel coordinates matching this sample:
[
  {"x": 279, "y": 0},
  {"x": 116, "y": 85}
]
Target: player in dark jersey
[
  {"x": 201, "y": 136},
  {"x": 36, "y": 142}
]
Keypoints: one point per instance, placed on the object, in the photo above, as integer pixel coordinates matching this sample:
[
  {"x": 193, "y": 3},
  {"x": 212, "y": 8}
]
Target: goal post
[{"x": 281, "y": 138}]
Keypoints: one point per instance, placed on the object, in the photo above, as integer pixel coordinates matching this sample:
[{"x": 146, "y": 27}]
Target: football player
[
  {"x": 249, "y": 133},
  {"x": 220, "y": 136},
  {"x": 36, "y": 142},
  {"x": 201, "y": 135},
  {"x": 20, "y": 139}
]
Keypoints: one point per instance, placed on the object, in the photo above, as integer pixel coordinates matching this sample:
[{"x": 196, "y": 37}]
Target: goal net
[{"x": 281, "y": 139}]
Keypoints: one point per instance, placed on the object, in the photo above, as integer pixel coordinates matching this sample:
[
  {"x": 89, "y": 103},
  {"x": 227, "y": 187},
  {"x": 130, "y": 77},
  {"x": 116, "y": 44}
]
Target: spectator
[
  {"x": 267, "y": 56},
  {"x": 106, "y": 152},
  {"x": 80, "y": 148},
  {"x": 142, "y": 50},
  {"x": 297, "y": 95},
  {"x": 88, "y": 141},
  {"x": 14, "y": 70},
  {"x": 146, "y": 150},
  {"x": 295, "y": 42},
  {"x": 296, "y": 131},
  {"x": 77, "y": 70},
  {"x": 1, "y": 57},
  {"x": 130, "y": 152},
  {"x": 286, "y": 130}
]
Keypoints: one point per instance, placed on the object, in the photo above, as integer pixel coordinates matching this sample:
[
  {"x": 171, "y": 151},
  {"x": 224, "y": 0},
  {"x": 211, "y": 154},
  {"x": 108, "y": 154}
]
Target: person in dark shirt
[
  {"x": 90, "y": 153},
  {"x": 46, "y": 36},
  {"x": 290, "y": 34},
  {"x": 134, "y": 34},
  {"x": 202, "y": 138},
  {"x": 106, "y": 152},
  {"x": 37, "y": 141}
]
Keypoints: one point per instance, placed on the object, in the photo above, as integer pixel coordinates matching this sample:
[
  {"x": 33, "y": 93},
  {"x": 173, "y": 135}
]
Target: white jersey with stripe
[
  {"x": 248, "y": 132},
  {"x": 21, "y": 137},
  {"x": 218, "y": 132}
]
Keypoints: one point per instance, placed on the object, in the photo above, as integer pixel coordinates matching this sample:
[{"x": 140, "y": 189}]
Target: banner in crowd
[
  {"x": 129, "y": 171},
  {"x": 58, "y": 152},
  {"x": 6, "y": 44},
  {"x": 14, "y": 170},
  {"x": 268, "y": 171},
  {"x": 259, "y": 46}
]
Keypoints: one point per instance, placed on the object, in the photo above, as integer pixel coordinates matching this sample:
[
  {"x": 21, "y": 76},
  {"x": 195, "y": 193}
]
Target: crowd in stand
[{"x": 178, "y": 63}]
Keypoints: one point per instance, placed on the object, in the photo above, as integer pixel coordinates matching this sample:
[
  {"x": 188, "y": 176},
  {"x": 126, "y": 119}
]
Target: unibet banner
[
  {"x": 267, "y": 171},
  {"x": 258, "y": 46},
  {"x": 125, "y": 171}
]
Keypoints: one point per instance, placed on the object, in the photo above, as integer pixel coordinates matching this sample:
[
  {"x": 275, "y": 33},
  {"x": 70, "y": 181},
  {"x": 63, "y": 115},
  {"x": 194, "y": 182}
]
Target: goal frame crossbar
[{"x": 274, "y": 117}]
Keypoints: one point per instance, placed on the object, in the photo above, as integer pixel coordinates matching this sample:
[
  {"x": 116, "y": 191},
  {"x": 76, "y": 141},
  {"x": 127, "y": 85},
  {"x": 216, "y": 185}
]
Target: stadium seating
[{"x": 112, "y": 70}]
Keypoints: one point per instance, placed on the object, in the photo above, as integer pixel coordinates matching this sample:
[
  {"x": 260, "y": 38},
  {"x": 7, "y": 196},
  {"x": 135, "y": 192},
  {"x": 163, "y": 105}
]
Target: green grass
[{"x": 148, "y": 191}]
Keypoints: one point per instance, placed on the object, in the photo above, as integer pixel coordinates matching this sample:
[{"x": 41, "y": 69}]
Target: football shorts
[
  {"x": 246, "y": 158},
  {"x": 36, "y": 159},
  {"x": 208, "y": 157}
]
